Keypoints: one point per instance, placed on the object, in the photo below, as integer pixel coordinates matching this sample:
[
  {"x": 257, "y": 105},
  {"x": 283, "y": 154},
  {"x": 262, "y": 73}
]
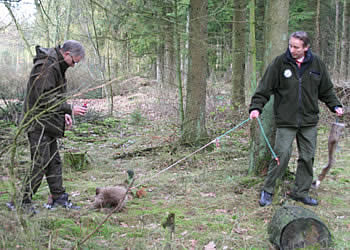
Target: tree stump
[
  {"x": 75, "y": 159},
  {"x": 297, "y": 227}
]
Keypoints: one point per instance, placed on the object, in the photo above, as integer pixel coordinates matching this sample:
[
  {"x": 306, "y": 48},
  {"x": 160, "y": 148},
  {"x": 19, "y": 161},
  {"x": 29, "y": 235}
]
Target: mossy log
[
  {"x": 76, "y": 160},
  {"x": 297, "y": 227}
]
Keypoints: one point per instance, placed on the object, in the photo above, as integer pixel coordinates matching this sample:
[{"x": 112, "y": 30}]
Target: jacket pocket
[{"x": 315, "y": 75}]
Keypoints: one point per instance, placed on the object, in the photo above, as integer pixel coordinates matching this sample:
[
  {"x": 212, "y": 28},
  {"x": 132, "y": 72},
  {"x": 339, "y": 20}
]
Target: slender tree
[
  {"x": 336, "y": 42},
  {"x": 317, "y": 38},
  {"x": 252, "y": 49},
  {"x": 44, "y": 21},
  {"x": 344, "y": 54},
  {"x": 69, "y": 20},
  {"x": 160, "y": 63},
  {"x": 238, "y": 53},
  {"x": 178, "y": 65},
  {"x": 170, "y": 66}
]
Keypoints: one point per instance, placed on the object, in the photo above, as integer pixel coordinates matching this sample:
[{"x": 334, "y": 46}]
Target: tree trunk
[
  {"x": 185, "y": 56},
  {"x": 336, "y": 43},
  {"x": 317, "y": 39},
  {"x": 58, "y": 23},
  {"x": 69, "y": 20},
  {"x": 344, "y": 56},
  {"x": 126, "y": 54},
  {"x": 111, "y": 104},
  {"x": 178, "y": 65},
  {"x": 276, "y": 41},
  {"x": 252, "y": 50},
  {"x": 194, "y": 123},
  {"x": 160, "y": 64},
  {"x": 39, "y": 8},
  {"x": 238, "y": 55},
  {"x": 169, "y": 65}
]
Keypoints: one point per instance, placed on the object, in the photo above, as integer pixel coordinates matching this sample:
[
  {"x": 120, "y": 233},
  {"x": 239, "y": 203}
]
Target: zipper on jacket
[{"x": 299, "y": 99}]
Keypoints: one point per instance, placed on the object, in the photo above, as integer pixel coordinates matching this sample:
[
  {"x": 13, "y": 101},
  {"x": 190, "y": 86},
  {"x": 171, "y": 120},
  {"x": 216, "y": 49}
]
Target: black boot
[
  {"x": 265, "y": 199},
  {"x": 63, "y": 201},
  {"x": 26, "y": 206},
  {"x": 306, "y": 200},
  {"x": 11, "y": 206}
]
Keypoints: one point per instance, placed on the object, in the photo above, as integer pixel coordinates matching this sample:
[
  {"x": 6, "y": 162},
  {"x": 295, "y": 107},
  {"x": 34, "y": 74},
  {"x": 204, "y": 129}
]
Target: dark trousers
[
  {"x": 306, "y": 144},
  {"x": 45, "y": 161}
]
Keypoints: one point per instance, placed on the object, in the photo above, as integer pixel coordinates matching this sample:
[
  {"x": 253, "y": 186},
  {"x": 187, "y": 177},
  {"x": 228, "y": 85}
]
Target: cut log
[
  {"x": 294, "y": 227},
  {"x": 333, "y": 139}
]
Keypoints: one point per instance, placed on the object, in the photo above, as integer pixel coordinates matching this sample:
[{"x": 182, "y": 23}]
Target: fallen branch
[{"x": 138, "y": 152}]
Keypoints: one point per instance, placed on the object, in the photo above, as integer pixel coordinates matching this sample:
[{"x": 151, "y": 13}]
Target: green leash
[
  {"x": 262, "y": 132},
  {"x": 216, "y": 140},
  {"x": 267, "y": 142},
  {"x": 234, "y": 128}
]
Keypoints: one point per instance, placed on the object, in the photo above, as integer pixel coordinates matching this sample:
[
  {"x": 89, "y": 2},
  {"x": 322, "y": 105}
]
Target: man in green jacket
[
  {"x": 297, "y": 79},
  {"x": 48, "y": 114}
]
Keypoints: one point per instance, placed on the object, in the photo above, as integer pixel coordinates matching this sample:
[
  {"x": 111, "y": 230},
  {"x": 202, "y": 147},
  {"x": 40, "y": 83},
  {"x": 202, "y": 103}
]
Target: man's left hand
[{"x": 339, "y": 111}]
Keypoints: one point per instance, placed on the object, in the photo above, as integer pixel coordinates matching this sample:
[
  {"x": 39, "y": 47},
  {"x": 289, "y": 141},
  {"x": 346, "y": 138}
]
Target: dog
[{"x": 110, "y": 197}]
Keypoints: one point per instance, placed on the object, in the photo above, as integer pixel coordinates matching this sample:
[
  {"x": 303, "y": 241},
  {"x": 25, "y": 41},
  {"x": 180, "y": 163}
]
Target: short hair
[
  {"x": 74, "y": 47},
  {"x": 302, "y": 35}
]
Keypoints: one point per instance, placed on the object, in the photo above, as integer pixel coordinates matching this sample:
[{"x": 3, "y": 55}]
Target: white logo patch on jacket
[{"x": 287, "y": 73}]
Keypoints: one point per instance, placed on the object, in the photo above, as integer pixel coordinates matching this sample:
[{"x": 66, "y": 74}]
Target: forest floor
[{"x": 214, "y": 200}]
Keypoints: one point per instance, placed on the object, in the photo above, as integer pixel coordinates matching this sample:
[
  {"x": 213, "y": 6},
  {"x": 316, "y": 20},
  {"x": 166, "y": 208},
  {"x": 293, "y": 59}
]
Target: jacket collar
[
  {"x": 63, "y": 65},
  {"x": 308, "y": 57}
]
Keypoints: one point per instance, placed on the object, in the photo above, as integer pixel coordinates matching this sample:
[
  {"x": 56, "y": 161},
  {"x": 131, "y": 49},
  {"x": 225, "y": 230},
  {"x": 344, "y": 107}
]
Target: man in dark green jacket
[
  {"x": 297, "y": 79},
  {"x": 48, "y": 114}
]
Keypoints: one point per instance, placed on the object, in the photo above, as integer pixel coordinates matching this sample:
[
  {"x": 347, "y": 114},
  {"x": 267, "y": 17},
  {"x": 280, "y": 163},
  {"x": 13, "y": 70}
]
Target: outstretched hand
[{"x": 79, "y": 110}]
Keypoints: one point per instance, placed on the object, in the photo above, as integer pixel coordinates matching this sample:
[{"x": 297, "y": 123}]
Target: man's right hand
[
  {"x": 79, "y": 110},
  {"x": 254, "y": 114}
]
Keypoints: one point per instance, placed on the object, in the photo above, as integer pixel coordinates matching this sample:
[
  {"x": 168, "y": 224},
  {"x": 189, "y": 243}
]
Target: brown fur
[
  {"x": 140, "y": 193},
  {"x": 333, "y": 139},
  {"x": 109, "y": 196}
]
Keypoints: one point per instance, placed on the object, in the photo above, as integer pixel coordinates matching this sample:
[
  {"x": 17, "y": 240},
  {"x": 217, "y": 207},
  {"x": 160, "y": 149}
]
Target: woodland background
[
  {"x": 184, "y": 51},
  {"x": 173, "y": 73}
]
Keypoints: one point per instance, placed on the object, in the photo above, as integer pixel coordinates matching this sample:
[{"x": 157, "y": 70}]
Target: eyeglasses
[{"x": 74, "y": 62}]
